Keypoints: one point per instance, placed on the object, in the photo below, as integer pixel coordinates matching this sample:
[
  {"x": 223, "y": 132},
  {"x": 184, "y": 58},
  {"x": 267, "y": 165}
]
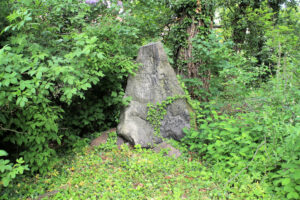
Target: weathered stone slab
[{"x": 153, "y": 83}]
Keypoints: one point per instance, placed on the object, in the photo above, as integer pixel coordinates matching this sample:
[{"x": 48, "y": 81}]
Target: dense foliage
[
  {"x": 64, "y": 64},
  {"x": 62, "y": 74},
  {"x": 107, "y": 172},
  {"x": 251, "y": 133}
]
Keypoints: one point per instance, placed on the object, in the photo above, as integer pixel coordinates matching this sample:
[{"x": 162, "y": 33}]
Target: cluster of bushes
[
  {"x": 249, "y": 144},
  {"x": 63, "y": 69},
  {"x": 249, "y": 131}
]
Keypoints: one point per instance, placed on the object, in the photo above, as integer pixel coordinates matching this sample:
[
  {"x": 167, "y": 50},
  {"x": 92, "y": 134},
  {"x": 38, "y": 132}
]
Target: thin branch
[
  {"x": 217, "y": 26},
  {"x": 11, "y": 130}
]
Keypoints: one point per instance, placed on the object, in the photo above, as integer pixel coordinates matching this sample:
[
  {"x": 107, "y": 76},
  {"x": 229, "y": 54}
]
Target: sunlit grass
[{"x": 109, "y": 172}]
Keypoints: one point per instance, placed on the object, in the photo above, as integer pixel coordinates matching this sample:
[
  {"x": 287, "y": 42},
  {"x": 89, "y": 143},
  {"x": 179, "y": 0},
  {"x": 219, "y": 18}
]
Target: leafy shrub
[
  {"x": 9, "y": 170},
  {"x": 4, "y": 12},
  {"x": 259, "y": 142},
  {"x": 220, "y": 69},
  {"x": 252, "y": 134},
  {"x": 144, "y": 16},
  {"x": 255, "y": 137},
  {"x": 213, "y": 53},
  {"x": 62, "y": 69}
]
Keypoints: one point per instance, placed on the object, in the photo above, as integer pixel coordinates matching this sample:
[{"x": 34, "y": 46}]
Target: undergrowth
[{"x": 109, "y": 172}]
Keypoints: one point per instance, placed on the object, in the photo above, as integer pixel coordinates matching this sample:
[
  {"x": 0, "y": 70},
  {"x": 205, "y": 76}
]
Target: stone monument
[{"x": 154, "y": 81}]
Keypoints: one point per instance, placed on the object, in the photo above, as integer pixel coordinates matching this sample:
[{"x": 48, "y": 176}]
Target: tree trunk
[
  {"x": 186, "y": 53},
  {"x": 183, "y": 55}
]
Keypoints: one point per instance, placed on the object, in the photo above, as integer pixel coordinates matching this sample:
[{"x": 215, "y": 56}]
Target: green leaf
[
  {"x": 3, "y": 153},
  {"x": 19, "y": 99},
  {"x": 70, "y": 81},
  {"x": 285, "y": 181},
  {"x": 5, "y": 166},
  {"x": 14, "y": 80},
  {"x": 6, "y": 82},
  {"x": 20, "y": 160},
  {"x": 293, "y": 195},
  {"x": 38, "y": 140},
  {"x": 58, "y": 141},
  {"x": 23, "y": 101},
  {"x": 100, "y": 55},
  {"x": 39, "y": 75},
  {"x": 114, "y": 94},
  {"x": 92, "y": 40},
  {"x": 86, "y": 86},
  {"x": 288, "y": 188},
  {"x": 6, "y": 181},
  {"x": 296, "y": 174}
]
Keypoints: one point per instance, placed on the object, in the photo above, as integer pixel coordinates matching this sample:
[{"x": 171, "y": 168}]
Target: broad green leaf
[
  {"x": 296, "y": 174},
  {"x": 293, "y": 195},
  {"x": 23, "y": 101},
  {"x": 114, "y": 94},
  {"x": 100, "y": 55},
  {"x": 20, "y": 160},
  {"x": 3, "y": 153},
  {"x": 285, "y": 181},
  {"x": 288, "y": 188},
  {"x": 92, "y": 40},
  {"x": 6, "y": 181},
  {"x": 70, "y": 80},
  {"x": 39, "y": 75},
  {"x": 22, "y": 85}
]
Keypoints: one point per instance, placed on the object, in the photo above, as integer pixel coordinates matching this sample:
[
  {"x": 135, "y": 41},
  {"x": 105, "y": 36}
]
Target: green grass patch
[{"x": 109, "y": 172}]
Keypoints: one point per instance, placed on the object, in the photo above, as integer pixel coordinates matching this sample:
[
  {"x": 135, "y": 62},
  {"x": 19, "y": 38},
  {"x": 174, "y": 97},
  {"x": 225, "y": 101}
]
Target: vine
[
  {"x": 193, "y": 21},
  {"x": 156, "y": 113}
]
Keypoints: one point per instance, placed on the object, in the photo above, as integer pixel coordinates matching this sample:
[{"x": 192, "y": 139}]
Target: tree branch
[
  {"x": 11, "y": 130},
  {"x": 217, "y": 26}
]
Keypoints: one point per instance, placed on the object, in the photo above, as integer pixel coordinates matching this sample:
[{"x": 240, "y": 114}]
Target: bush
[
  {"x": 4, "y": 12},
  {"x": 258, "y": 142},
  {"x": 251, "y": 132},
  {"x": 8, "y": 170},
  {"x": 62, "y": 69}
]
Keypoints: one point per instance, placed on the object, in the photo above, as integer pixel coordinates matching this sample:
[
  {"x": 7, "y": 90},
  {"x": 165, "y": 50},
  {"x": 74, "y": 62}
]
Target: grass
[{"x": 109, "y": 172}]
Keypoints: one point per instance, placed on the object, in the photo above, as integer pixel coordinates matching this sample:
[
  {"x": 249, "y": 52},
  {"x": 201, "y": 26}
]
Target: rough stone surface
[
  {"x": 102, "y": 139},
  {"x": 154, "y": 82},
  {"x": 173, "y": 152}
]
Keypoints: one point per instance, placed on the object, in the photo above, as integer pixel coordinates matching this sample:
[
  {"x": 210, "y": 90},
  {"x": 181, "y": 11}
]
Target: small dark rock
[
  {"x": 102, "y": 139},
  {"x": 104, "y": 136},
  {"x": 120, "y": 141}
]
